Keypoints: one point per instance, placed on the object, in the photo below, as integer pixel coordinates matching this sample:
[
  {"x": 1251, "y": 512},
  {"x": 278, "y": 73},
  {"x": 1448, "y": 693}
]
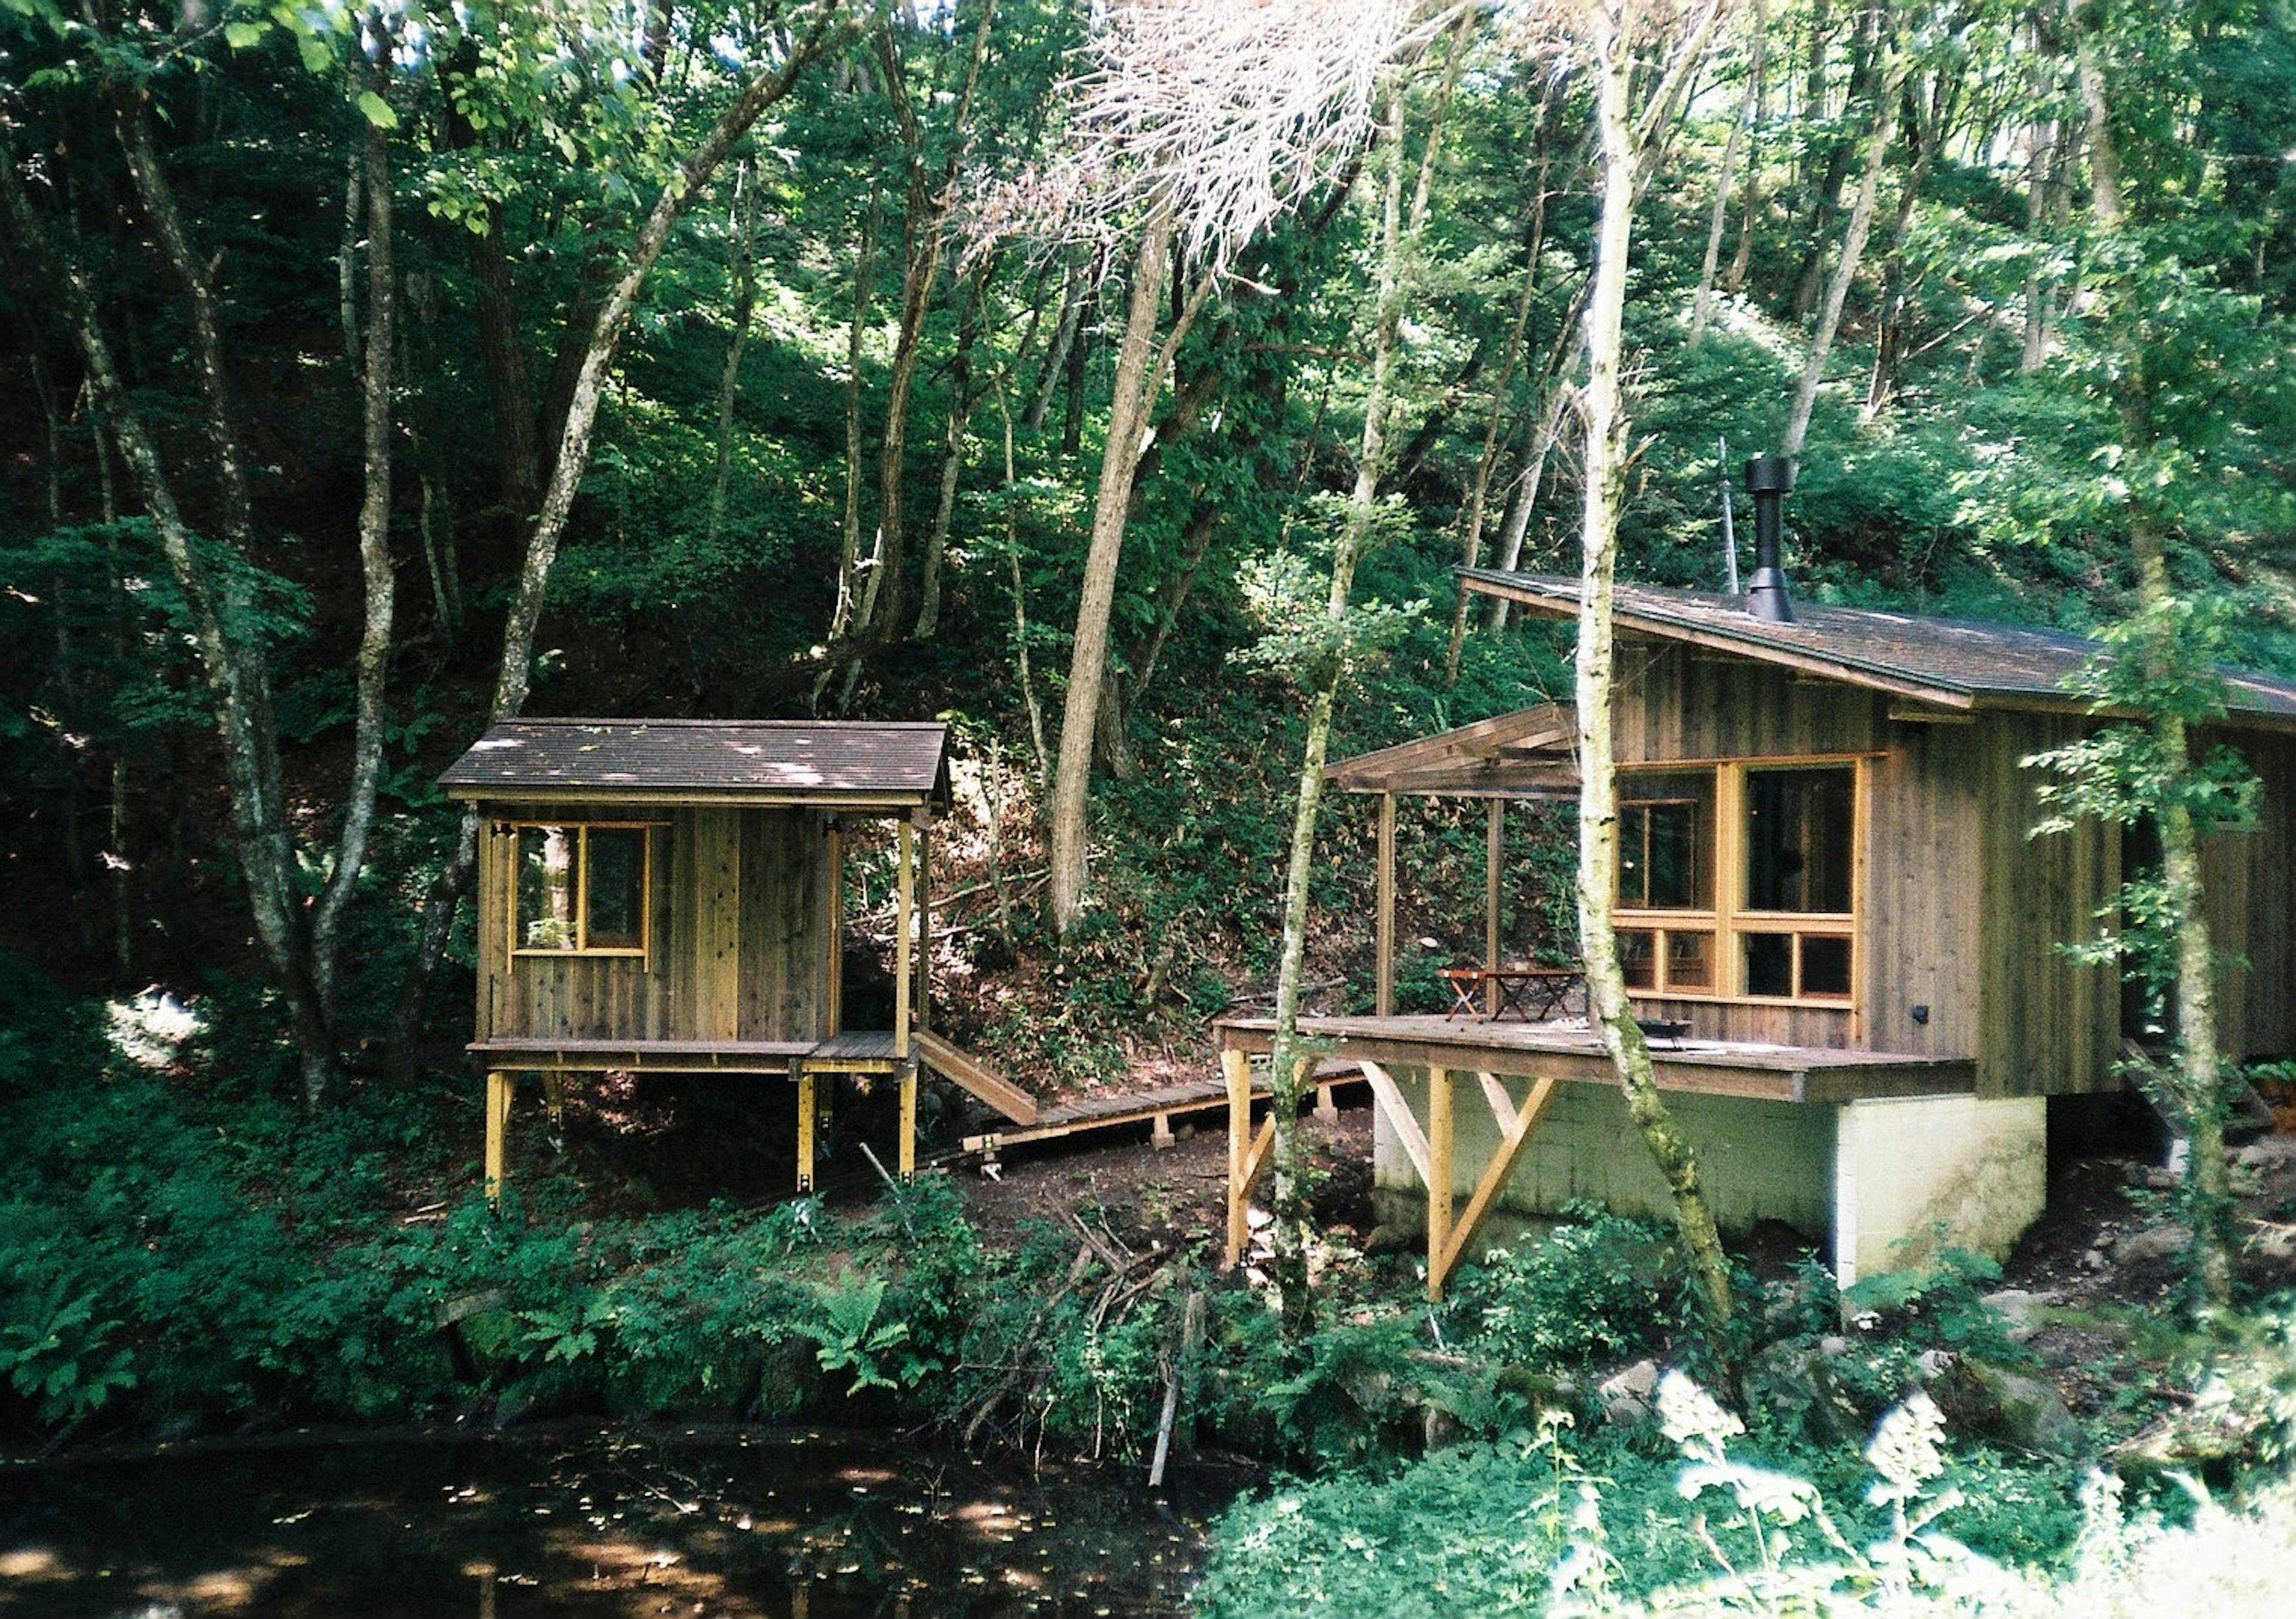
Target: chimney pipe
[{"x": 1771, "y": 478}]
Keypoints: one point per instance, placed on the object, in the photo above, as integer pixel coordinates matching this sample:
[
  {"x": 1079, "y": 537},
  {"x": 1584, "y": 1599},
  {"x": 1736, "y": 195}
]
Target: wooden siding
[
  {"x": 2048, "y": 1025},
  {"x": 739, "y": 938},
  {"x": 2251, "y": 885}
]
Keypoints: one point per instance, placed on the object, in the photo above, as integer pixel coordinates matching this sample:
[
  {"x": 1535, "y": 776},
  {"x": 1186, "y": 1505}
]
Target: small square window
[{"x": 579, "y": 889}]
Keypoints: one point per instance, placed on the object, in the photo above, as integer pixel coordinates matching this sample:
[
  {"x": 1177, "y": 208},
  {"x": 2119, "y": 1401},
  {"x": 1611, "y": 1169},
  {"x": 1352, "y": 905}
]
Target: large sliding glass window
[{"x": 1740, "y": 881}]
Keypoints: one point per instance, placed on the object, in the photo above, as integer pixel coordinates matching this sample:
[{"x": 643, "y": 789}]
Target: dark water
[{"x": 590, "y": 1521}]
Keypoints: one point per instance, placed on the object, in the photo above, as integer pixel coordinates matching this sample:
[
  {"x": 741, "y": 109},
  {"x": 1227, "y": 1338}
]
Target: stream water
[{"x": 585, "y": 1520}]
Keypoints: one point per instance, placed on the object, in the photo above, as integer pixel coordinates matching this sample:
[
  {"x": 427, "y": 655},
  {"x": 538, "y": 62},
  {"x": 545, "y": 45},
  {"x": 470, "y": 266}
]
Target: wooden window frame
[
  {"x": 1729, "y": 920},
  {"x": 643, "y": 952}
]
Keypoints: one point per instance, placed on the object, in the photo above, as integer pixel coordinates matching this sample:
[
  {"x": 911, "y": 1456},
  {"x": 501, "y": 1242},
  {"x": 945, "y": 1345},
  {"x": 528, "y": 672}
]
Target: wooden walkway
[{"x": 1157, "y": 1108}]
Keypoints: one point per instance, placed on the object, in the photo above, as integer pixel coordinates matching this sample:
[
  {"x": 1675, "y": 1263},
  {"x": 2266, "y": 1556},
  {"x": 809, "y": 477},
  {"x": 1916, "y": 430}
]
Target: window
[
  {"x": 579, "y": 889},
  {"x": 1802, "y": 825},
  {"x": 1781, "y": 922}
]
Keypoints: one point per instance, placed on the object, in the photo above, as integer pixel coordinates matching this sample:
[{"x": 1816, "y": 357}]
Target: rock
[
  {"x": 1795, "y": 1381},
  {"x": 2094, "y": 1260},
  {"x": 2012, "y": 1407},
  {"x": 1392, "y": 1239},
  {"x": 1934, "y": 1364},
  {"x": 1627, "y": 1396},
  {"x": 2163, "y": 1180},
  {"x": 2021, "y": 1311},
  {"x": 2153, "y": 1243},
  {"x": 1833, "y": 1344},
  {"x": 2269, "y": 1152}
]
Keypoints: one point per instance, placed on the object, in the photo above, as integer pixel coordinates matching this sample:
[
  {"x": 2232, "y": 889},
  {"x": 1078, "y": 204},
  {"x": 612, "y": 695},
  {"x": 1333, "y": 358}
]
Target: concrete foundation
[{"x": 1866, "y": 1182}]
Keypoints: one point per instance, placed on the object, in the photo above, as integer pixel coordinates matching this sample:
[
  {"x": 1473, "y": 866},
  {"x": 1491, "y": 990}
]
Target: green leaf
[
  {"x": 317, "y": 57},
  {"x": 244, "y": 35},
  {"x": 377, "y": 110}
]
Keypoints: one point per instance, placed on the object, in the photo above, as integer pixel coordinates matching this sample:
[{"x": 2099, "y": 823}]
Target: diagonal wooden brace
[{"x": 1516, "y": 1125}]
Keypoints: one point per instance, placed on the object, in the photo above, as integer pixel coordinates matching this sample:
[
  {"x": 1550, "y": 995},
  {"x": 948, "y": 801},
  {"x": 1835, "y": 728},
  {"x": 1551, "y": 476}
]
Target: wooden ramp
[
  {"x": 969, "y": 1072},
  {"x": 1158, "y": 1108}
]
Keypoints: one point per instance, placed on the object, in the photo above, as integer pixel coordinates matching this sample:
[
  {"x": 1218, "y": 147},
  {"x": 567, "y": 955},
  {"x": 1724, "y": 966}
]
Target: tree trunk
[
  {"x": 2199, "y": 1082},
  {"x": 745, "y": 303},
  {"x": 372, "y": 666},
  {"x": 1604, "y": 413},
  {"x": 1701, "y": 301},
  {"x": 962, "y": 397},
  {"x": 1889, "y": 334},
  {"x": 1853, "y": 249},
  {"x": 1088, "y": 660}
]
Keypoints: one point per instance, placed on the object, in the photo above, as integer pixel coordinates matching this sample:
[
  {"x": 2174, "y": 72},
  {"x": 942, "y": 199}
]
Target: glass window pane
[
  {"x": 617, "y": 918},
  {"x": 1769, "y": 964},
  {"x": 1825, "y": 964},
  {"x": 545, "y": 860},
  {"x": 1798, "y": 829},
  {"x": 1665, "y": 840},
  {"x": 1638, "y": 957},
  {"x": 1689, "y": 960}
]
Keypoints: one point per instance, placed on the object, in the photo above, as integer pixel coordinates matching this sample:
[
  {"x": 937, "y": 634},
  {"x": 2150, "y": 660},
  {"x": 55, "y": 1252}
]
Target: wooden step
[{"x": 968, "y": 1072}]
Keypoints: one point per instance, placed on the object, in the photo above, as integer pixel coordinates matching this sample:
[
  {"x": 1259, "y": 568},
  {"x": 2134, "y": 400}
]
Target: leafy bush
[{"x": 1599, "y": 1287}]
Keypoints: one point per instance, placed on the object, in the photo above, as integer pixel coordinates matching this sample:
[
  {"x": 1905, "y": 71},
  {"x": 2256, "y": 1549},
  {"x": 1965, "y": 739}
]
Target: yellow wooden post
[
  {"x": 805, "y": 1083},
  {"x": 1438, "y": 1177},
  {"x": 498, "y": 1086},
  {"x": 1385, "y": 914},
  {"x": 1494, "y": 832},
  {"x": 554, "y": 1097},
  {"x": 908, "y": 1121},
  {"x": 903, "y": 905},
  {"x": 1235, "y": 1066}
]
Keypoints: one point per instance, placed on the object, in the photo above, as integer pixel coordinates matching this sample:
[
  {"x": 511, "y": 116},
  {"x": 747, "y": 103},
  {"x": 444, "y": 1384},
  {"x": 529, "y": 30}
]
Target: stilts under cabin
[{"x": 667, "y": 896}]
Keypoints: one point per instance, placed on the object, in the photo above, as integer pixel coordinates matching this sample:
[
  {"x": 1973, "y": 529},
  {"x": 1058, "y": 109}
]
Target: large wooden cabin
[
  {"x": 1830, "y": 881},
  {"x": 667, "y": 895}
]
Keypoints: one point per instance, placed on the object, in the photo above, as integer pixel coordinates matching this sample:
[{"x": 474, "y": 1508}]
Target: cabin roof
[
  {"x": 1527, "y": 753},
  {"x": 886, "y": 763},
  {"x": 1953, "y": 663}
]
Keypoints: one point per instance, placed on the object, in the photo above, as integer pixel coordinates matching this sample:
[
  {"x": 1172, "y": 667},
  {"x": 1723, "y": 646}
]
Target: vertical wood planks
[{"x": 1384, "y": 924}]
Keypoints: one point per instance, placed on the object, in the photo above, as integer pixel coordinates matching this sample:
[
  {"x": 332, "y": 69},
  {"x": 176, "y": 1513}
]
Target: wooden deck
[{"x": 1542, "y": 1051}]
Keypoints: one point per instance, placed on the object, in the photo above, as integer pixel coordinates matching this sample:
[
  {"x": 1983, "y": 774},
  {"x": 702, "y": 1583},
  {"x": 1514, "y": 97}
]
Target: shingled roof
[
  {"x": 886, "y": 763},
  {"x": 1954, "y": 663}
]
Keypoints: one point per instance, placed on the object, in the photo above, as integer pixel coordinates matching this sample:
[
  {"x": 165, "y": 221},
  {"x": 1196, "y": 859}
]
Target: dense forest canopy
[{"x": 376, "y": 370}]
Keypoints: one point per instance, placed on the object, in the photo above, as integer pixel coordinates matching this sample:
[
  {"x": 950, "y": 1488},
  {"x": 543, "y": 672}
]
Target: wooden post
[
  {"x": 908, "y": 1124},
  {"x": 832, "y": 1023},
  {"x": 1385, "y": 971},
  {"x": 903, "y": 908},
  {"x": 1235, "y": 1066},
  {"x": 1493, "y": 831},
  {"x": 499, "y": 1088},
  {"x": 805, "y": 1083},
  {"x": 1438, "y": 1177},
  {"x": 554, "y": 1097}
]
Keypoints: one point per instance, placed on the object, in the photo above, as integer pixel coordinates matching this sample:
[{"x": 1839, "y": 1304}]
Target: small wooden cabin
[
  {"x": 667, "y": 895},
  {"x": 1828, "y": 881}
]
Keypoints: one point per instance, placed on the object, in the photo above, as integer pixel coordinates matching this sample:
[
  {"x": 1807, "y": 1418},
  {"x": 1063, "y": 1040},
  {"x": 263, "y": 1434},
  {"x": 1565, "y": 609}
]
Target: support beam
[
  {"x": 903, "y": 909},
  {"x": 1516, "y": 1125},
  {"x": 1438, "y": 1177},
  {"x": 554, "y": 1099},
  {"x": 498, "y": 1089},
  {"x": 1387, "y": 1098},
  {"x": 908, "y": 1124},
  {"x": 1493, "y": 834},
  {"x": 1385, "y": 915},
  {"x": 805, "y": 1107},
  {"x": 1235, "y": 1067}
]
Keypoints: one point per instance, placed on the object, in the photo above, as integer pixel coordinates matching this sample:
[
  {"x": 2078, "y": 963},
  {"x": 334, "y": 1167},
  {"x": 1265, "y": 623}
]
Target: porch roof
[{"x": 1527, "y": 753}]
